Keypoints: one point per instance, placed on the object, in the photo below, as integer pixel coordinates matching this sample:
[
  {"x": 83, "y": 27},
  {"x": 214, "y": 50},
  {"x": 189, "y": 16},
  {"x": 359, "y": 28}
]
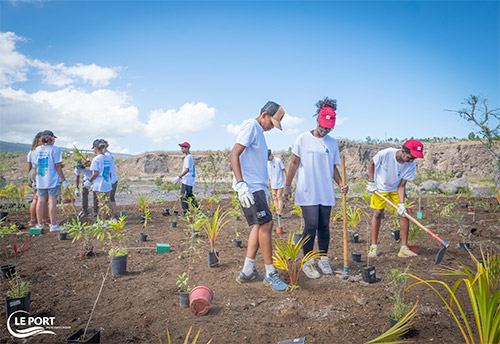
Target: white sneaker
[
  {"x": 324, "y": 266},
  {"x": 55, "y": 228},
  {"x": 373, "y": 252},
  {"x": 405, "y": 252},
  {"x": 310, "y": 271}
]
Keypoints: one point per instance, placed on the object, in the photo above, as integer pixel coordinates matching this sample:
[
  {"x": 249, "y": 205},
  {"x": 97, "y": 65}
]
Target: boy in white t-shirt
[
  {"x": 188, "y": 177},
  {"x": 100, "y": 181},
  {"x": 388, "y": 172},
  {"x": 276, "y": 182},
  {"x": 82, "y": 169},
  {"x": 114, "y": 181},
  {"x": 47, "y": 161},
  {"x": 249, "y": 164}
]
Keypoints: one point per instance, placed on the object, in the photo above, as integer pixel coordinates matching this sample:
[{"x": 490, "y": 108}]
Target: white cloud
[
  {"x": 341, "y": 120},
  {"x": 290, "y": 121},
  {"x": 13, "y": 65},
  {"x": 288, "y": 124},
  {"x": 191, "y": 118},
  {"x": 234, "y": 128}
]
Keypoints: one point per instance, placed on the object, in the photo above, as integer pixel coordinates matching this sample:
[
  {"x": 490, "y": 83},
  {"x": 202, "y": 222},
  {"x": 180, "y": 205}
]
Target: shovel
[
  {"x": 445, "y": 244},
  {"x": 346, "y": 267}
]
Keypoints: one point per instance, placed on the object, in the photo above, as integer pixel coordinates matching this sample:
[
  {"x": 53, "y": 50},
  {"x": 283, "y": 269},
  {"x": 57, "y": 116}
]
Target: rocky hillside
[{"x": 460, "y": 159}]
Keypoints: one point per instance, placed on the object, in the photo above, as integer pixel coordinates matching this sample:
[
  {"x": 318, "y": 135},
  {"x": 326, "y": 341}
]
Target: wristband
[{"x": 288, "y": 186}]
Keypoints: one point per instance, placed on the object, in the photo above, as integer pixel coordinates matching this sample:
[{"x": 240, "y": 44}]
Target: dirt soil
[{"x": 135, "y": 308}]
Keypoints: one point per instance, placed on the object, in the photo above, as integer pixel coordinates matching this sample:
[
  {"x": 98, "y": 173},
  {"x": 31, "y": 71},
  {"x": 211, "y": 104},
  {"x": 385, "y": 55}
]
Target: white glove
[
  {"x": 244, "y": 194},
  {"x": 402, "y": 209},
  {"x": 77, "y": 192},
  {"x": 371, "y": 187},
  {"x": 175, "y": 180},
  {"x": 268, "y": 195},
  {"x": 87, "y": 184},
  {"x": 64, "y": 185}
]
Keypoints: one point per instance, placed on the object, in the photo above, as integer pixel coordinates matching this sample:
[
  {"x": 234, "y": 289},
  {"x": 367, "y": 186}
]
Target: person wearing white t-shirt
[
  {"x": 32, "y": 182},
  {"x": 83, "y": 169},
  {"x": 47, "y": 160},
  {"x": 388, "y": 172},
  {"x": 249, "y": 164},
  {"x": 188, "y": 178},
  {"x": 277, "y": 176},
  {"x": 314, "y": 159},
  {"x": 114, "y": 180},
  {"x": 100, "y": 181}
]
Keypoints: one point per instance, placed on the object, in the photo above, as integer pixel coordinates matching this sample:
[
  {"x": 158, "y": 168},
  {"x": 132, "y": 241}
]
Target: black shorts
[{"x": 258, "y": 213}]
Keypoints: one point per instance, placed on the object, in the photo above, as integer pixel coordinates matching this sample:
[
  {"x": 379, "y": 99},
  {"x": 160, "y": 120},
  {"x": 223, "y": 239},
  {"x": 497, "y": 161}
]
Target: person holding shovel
[
  {"x": 82, "y": 168},
  {"x": 277, "y": 175},
  {"x": 314, "y": 159},
  {"x": 114, "y": 179},
  {"x": 188, "y": 177},
  {"x": 388, "y": 172},
  {"x": 249, "y": 164}
]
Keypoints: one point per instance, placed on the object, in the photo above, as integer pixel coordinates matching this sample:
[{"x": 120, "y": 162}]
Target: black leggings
[{"x": 316, "y": 218}]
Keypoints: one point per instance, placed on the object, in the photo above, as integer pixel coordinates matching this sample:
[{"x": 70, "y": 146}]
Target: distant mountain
[{"x": 25, "y": 148}]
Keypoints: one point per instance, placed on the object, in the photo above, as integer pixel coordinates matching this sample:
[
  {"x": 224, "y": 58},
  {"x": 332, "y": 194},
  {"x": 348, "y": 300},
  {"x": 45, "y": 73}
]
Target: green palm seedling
[
  {"x": 286, "y": 257},
  {"x": 195, "y": 339},
  {"x": 483, "y": 294},
  {"x": 213, "y": 226},
  {"x": 353, "y": 216}
]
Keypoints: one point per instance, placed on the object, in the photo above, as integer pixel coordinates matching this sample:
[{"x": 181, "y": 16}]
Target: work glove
[
  {"x": 77, "y": 192},
  {"x": 87, "y": 184},
  {"x": 371, "y": 187},
  {"x": 175, "y": 180},
  {"x": 64, "y": 185},
  {"x": 244, "y": 194},
  {"x": 268, "y": 196},
  {"x": 402, "y": 209}
]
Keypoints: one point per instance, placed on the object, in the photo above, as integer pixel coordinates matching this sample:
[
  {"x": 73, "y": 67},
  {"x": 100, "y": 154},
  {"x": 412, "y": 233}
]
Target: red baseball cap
[
  {"x": 416, "y": 148},
  {"x": 326, "y": 117},
  {"x": 185, "y": 144}
]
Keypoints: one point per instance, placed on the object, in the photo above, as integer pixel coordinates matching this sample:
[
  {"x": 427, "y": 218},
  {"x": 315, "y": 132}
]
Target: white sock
[
  {"x": 270, "y": 269},
  {"x": 325, "y": 259},
  {"x": 404, "y": 246},
  {"x": 248, "y": 266},
  {"x": 374, "y": 245}
]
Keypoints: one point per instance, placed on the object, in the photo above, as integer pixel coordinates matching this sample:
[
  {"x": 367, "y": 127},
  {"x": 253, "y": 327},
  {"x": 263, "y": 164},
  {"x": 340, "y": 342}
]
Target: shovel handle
[
  {"x": 409, "y": 217},
  {"x": 344, "y": 199}
]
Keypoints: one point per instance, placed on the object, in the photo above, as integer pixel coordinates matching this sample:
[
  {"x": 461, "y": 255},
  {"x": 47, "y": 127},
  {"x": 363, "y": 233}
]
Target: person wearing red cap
[
  {"x": 388, "y": 172},
  {"x": 249, "y": 164},
  {"x": 314, "y": 159},
  {"x": 188, "y": 177}
]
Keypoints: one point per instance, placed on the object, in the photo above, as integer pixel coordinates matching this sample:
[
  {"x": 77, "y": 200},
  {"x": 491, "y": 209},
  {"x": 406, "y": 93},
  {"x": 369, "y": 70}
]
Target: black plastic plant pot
[
  {"x": 166, "y": 212},
  {"x": 3, "y": 215},
  {"x": 143, "y": 237},
  {"x": 356, "y": 256},
  {"x": 176, "y": 212},
  {"x": 466, "y": 246},
  {"x": 464, "y": 206},
  {"x": 93, "y": 336},
  {"x": 393, "y": 322},
  {"x": 237, "y": 242},
  {"x": 213, "y": 258},
  {"x": 396, "y": 235},
  {"x": 62, "y": 235},
  {"x": 18, "y": 304},
  {"x": 354, "y": 237},
  {"x": 118, "y": 265},
  {"x": 238, "y": 218},
  {"x": 183, "y": 298},
  {"x": 8, "y": 271},
  {"x": 195, "y": 234},
  {"x": 173, "y": 224},
  {"x": 368, "y": 273}
]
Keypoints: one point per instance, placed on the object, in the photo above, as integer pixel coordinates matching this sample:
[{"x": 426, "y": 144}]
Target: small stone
[{"x": 361, "y": 300}]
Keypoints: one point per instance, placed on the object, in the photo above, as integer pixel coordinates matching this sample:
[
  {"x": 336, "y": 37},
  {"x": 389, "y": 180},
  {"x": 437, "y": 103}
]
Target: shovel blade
[{"x": 440, "y": 255}]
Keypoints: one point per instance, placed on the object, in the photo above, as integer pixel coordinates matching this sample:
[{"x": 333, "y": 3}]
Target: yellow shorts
[{"x": 379, "y": 203}]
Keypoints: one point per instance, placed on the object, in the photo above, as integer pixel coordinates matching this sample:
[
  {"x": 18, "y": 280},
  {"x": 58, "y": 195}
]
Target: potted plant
[
  {"x": 394, "y": 225},
  {"x": 286, "y": 254},
  {"x": 413, "y": 233},
  {"x": 143, "y": 202},
  {"x": 353, "y": 217},
  {"x": 213, "y": 227},
  {"x": 397, "y": 285},
  {"x": 297, "y": 235},
  {"x": 183, "y": 289},
  {"x": 117, "y": 234},
  {"x": 81, "y": 231},
  {"x": 18, "y": 296}
]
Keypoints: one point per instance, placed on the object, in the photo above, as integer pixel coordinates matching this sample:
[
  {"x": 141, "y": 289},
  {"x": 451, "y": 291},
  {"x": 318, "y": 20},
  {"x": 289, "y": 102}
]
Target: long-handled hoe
[
  {"x": 344, "y": 199},
  {"x": 445, "y": 244}
]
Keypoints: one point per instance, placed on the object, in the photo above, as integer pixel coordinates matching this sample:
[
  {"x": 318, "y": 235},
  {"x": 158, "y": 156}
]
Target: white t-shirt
[
  {"x": 389, "y": 172},
  {"x": 87, "y": 173},
  {"x": 102, "y": 164},
  {"x": 114, "y": 177},
  {"x": 315, "y": 172},
  {"x": 189, "y": 178},
  {"x": 275, "y": 169},
  {"x": 45, "y": 158},
  {"x": 253, "y": 160},
  {"x": 29, "y": 157}
]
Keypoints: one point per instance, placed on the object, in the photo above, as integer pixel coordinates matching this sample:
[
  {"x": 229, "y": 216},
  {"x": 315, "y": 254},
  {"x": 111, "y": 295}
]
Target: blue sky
[{"x": 148, "y": 75}]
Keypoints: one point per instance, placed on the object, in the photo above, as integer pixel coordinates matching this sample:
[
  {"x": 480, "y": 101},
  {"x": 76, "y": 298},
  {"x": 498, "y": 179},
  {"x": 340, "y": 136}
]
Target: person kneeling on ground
[{"x": 388, "y": 172}]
